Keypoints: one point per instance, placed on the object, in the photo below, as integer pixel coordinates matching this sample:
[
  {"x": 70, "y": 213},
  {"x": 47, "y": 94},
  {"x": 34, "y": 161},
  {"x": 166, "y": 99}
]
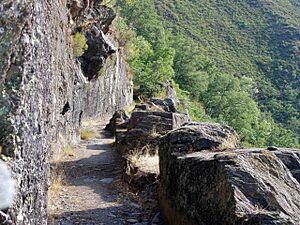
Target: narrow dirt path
[{"x": 92, "y": 193}]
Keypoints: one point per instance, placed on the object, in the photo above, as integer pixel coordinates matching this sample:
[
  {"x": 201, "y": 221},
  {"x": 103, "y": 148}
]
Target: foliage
[
  {"x": 143, "y": 17},
  {"x": 151, "y": 68},
  {"x": 146, "y": 48},
  {"x": 109, "y": 3},
  {"x": 79, "y": 44},
  {"x": 219, "y": 71},
  {"x": 258, "y": 40}
]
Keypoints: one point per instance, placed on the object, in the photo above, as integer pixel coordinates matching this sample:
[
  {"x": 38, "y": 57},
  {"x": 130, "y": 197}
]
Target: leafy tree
[
  {"x": 228, "y": 103},
  {"x": 215, "y": 80},
  {"x": 142, "y": 15},
  {"x": 192, "y": 70}
]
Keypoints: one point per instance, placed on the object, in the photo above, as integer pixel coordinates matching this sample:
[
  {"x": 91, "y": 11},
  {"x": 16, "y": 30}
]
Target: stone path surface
[{"x": 92, "y": 193}]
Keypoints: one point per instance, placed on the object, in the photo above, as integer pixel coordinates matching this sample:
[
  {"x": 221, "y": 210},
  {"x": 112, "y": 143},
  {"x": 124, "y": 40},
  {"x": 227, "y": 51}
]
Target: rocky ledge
[
  {"x": 138, "y": 137},
  {"x": 206, "y": 179},
  {"x": 141, "y": 131}
]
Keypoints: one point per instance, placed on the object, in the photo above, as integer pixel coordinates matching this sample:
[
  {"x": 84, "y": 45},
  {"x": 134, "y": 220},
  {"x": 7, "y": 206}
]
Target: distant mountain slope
[{"x": 257, "y": 39}]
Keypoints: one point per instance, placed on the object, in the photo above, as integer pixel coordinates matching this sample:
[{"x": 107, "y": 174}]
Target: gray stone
[
  {"x": 291, "y": 159},
  {"x": 168, "y": 105},
  {"x": 171, "y": 92},
  {"x": 107, "y": 180},
  {"x": 204, "y": 181},
  {"x": 44, "y": 95},
  {"x": 118, "y": 121},
  {"x": 144, "y": 130}
]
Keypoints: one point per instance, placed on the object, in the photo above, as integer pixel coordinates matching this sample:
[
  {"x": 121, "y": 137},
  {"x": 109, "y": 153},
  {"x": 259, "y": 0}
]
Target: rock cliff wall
[{"x": 44, "y": 95}]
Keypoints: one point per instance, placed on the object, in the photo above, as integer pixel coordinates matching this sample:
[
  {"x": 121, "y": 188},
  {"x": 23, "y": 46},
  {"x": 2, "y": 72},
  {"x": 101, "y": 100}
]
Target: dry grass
[
  {"x": 89, "y": 129},
  {"x": 145, "y": 163},
  {"x": 87, "y": 134},
  {"x": 59, "y": 156},
  {"x": 57, "y": 183},
  {"x": 87, "y": 123},
  {"x": 130, "y": 108},
  {"x": 154, "y": 132},
  {"x": 58, "y": 177},
  {"x": 68, "y": 151}
]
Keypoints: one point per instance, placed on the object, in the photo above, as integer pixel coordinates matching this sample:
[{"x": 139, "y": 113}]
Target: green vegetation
[
  {"x": 257, "y": 40},
  {"x": 68, "y": 151},
  {"x": 147, "y": 50},
  {"x": 79, "y": 44},
  {"x": 227, "y": 63}
]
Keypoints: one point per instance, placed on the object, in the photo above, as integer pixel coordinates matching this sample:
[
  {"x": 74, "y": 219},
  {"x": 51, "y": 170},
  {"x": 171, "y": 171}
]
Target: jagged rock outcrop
[
  {"x": 118, "y": 121},
  {"x": 291, "y": 160},
  {"x": 43, "y": 93},
  {"x": 107, "y": 87},
  {"x": 167, "y": 105},
  {"x": 204, "y": 180},
  {"x": 147, "y": 123},
  {"x": 138, "y": 137}
]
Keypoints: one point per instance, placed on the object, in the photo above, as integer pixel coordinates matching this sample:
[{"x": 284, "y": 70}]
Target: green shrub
[{"x": 79, "y": 44}]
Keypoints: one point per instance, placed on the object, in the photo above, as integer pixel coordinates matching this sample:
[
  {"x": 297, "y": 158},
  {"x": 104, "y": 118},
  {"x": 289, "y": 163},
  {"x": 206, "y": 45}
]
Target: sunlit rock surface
[{"x": 205, "y": 180}]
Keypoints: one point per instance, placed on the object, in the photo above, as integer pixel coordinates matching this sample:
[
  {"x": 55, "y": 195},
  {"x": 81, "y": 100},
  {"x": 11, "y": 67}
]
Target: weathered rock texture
[
  {"x": 43, "y": 93},
  {"x": 138, "y": 137},
  {"x": 148, "y": 122},
  {"x": 204, "y": 181},
  {"x": 118, "y": 122}
]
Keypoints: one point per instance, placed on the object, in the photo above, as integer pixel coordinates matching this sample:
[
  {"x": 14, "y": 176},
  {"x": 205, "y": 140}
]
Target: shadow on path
[{"x": 92, "y": 193}]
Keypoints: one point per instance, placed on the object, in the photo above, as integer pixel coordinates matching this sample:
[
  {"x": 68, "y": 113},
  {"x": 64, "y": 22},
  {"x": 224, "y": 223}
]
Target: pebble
[
  {"x": 112, "y": 215},
  {"x": 107, "y": 180},
  {"x": 134, "y": 205},
  {"x": 132, "y": 221}
]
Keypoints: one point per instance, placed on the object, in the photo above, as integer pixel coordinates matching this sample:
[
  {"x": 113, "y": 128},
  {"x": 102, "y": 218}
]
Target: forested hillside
[
  {"x": 234, "y": 62},
  {"x": 256, "y": 39}
]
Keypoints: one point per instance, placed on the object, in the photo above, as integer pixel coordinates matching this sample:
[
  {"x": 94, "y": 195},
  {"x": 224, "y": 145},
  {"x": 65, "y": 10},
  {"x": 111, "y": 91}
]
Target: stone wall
[{"x": 44, "y": 96}]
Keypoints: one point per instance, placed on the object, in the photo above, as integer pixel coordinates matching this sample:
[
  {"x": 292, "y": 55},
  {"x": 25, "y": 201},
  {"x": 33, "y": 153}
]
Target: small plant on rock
[{"x": 79, "y": 44}]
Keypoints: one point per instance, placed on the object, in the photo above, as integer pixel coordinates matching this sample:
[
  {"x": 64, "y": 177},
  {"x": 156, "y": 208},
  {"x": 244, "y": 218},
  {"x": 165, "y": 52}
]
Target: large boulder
[
  {"x": 145, "y": 128},
  {"x": 147, "y": 123},
  {"x": 204, "y": 180},
  {"x": 291, "y": 160},
  {"x": 167, "y": 105},
  {"x": 118, "y": 121},
  {"x": 138, "y": 142},
  {"x": 194, "y": 136}
]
